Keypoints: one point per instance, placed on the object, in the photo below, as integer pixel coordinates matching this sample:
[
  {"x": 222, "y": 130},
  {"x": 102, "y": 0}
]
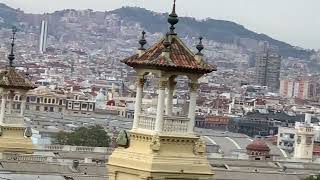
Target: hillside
[
  {"x": 217, "y": 30},
  {"x": 8, "y": 16}
]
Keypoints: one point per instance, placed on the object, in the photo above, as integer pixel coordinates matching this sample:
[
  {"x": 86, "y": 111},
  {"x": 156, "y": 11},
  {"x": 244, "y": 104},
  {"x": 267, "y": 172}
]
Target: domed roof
[{"x": 258, "y": 145}]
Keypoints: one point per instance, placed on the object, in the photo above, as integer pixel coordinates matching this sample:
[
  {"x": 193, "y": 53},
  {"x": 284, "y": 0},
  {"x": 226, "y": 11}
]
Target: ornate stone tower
[
  {"x": 14, "y": 135},
  {"x": 304, "y": 139},
  {"x": 163, "y": 145}
]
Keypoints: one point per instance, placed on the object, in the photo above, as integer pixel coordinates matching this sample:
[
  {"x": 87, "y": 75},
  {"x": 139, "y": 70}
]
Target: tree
[
  {"x": 94, "y": 136},
  {"x": 313, "y": 177}
]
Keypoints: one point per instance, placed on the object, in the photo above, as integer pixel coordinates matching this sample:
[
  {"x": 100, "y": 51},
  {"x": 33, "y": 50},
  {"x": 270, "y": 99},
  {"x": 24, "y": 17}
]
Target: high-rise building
[
  {"x": 301, "y": 87},
  {"x": 43, "y": 36},
  {"x": 268, "y": 64}
]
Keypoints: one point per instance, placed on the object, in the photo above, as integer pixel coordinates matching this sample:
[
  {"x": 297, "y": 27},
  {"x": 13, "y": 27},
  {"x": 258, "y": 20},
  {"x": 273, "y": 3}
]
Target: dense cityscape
[{"x": 97, "y": 95}]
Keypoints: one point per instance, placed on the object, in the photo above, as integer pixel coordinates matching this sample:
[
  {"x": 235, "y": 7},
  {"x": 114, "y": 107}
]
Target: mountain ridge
[{"x": 217, "y": 30}]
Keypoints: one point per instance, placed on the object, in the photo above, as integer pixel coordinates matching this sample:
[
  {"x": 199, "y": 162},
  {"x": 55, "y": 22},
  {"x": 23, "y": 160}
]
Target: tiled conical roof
[
  {"x": 10, "y": 78},
  {"x": 180, "y": 58},
  {"x": 258, "y": 145}
]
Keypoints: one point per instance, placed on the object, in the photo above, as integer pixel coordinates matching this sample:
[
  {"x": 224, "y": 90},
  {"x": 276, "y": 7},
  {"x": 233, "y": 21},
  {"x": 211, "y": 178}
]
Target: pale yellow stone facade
[
  {"x": 160, "y": 157},
  {"x": 14, "y": 141}
]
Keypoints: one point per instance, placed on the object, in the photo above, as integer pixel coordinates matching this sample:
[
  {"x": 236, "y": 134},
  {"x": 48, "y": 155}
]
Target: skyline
[{"x": 281, "y": 21}]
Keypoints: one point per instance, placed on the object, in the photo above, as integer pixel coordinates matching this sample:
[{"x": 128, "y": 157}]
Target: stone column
[
  {"x": 169, "y": 105},
  {"x": 3, "y": 107},
  {"x": 137, "y": 107},
  {"x": 160, "y": 105},
  {"x": 23, "y": 104},
  {"x": 11, "y": 96},
  {"x": 192, "y": 105}
]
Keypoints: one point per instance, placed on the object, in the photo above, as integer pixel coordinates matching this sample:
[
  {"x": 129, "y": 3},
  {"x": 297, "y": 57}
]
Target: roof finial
[
  {"x": 173, "y": 18},
  {"x": 167, "y": 43},
  {"x": 200, "y": 46},
  {"x": 11, "y": 55},
  {"x": 143, "y": 41}
]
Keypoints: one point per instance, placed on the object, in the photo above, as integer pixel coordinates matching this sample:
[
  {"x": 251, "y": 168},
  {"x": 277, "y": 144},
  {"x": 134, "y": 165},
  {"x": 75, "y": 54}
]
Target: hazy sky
[{"x": 294, "y": 21}]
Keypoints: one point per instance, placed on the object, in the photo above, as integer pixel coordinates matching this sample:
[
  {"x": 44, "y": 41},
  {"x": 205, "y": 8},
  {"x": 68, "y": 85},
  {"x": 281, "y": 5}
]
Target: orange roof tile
[
  {"x": 180, "y": 59},
  {"x": 10, "y": 78}
]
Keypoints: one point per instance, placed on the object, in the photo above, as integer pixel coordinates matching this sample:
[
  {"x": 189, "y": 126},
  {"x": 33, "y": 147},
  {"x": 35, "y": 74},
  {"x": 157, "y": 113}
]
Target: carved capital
[
  {"x": 155, "y": 143},
  {"x": 193, "y": 86},
  {"x": 140, "y": 82},
  {"x": 199, "y": 147},
  {"x": 162, "y": 84}
]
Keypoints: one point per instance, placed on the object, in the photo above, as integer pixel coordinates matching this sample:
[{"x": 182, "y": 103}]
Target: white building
[{"x": 299, "y": 139}]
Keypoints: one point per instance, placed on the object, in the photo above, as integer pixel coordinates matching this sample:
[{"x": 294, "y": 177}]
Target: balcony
[
  {"x": 13, "y": 119},
  {"x": 171, "y": 124}
]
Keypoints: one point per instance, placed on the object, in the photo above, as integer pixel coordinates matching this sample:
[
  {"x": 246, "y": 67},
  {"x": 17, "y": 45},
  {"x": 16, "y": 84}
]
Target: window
[
  {"x": 84, "y": 106},
  {"x": 49, "y": 101},
  {"x": 27, "y": 107},
  {"x": 33, "y": 99},
  {"x": 28, "y": 99},
  {"x": 18, "y": 106},
  {"x": 51, "y": 109},
  {"x": 60, "y": 110},
  {"x": 53, "y": 101},
  {"x": 38, "y": 100},
  {"x": 60, "y": 102},
  {"x": 291, "y": 136},
  {"x": 45, "y": 100},
  {"x": 45, "y": 108},
  {"x": 37, "y": 108},
  {"x": 309, "y": 140},
  {"x": 299, "y": 140},
  {"x": 281, "y": 134}
]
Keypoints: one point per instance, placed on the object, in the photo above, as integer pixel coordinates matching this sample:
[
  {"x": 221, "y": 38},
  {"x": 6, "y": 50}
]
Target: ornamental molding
[
  {"x": 163, "y": 84},
  {"x": 199, "y": 147},
  {"x": 194, "y": 87},
  {"x": 140, "y": 82},
  {"x": 155, "y": 143}
]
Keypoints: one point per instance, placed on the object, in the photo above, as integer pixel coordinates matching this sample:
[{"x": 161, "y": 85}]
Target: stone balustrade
[
  {"x": 171, "y": 124},
  {"x": 147, "y": 122},
  {"x": 22, "y": 157},
  {"x": 84, "y": 149},
  {"x": 175, "y": 124},
  {"x": 66, "y": 148}
]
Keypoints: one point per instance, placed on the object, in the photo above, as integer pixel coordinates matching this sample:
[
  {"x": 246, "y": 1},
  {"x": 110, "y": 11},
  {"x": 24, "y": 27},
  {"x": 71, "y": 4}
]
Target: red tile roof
[
  {"x": 316, "y": 149},
  {"x": 180, "y": 59},
  {"x": 258, "y": 145},
  {"x": 10, "y": 78}
]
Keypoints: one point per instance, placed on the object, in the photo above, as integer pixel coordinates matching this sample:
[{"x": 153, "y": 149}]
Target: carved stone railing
[
  {"x": 13, "y": 119},
  {"x": 175, "y": 124},
  {"x": 66, "y": 148},
  {"x": 147, "y": 121},
  {"x": 84, "y": 149},
  {"x": 21, "y": 157},
  {"x": 171, "y": 124}
]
